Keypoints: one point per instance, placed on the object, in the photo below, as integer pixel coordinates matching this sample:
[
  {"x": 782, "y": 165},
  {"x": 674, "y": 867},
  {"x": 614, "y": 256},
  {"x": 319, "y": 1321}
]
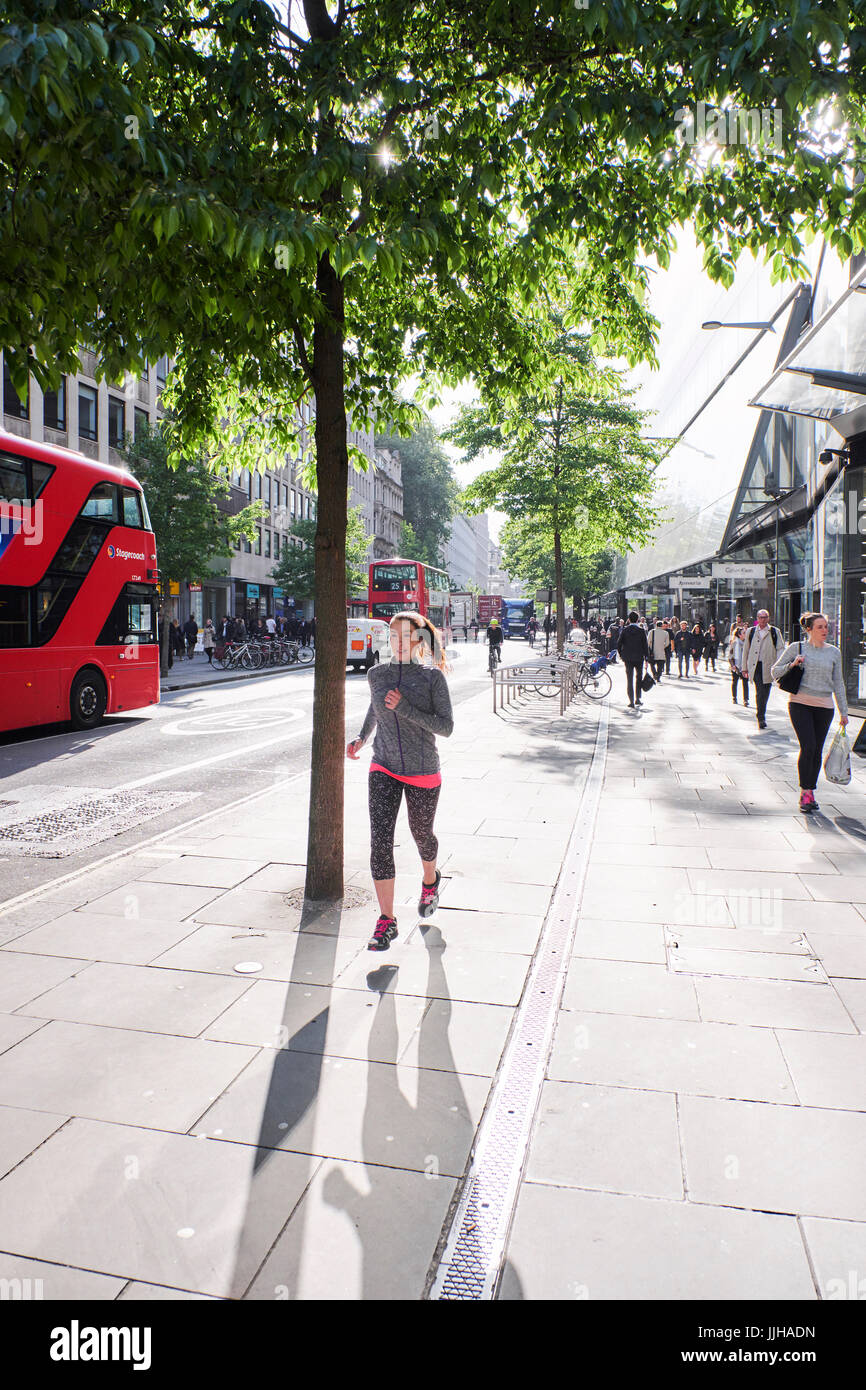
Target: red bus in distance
[
  {"x": 399, "y": 584},
  {"x": 78, "y": 589}
]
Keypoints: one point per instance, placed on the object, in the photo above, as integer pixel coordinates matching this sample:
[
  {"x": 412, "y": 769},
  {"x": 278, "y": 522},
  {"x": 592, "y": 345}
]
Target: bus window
[
  {"x": 102, "y": 503},
  {"x": 79, "y": 548},
  {"x": 131, "y": 502},
  {"x": 13, "y": 479},
  {"x": 132, "y": 618},
  {"x": 387, "y": 578},
  {"x": 54, "y": 598},
  {"x": 14, "y": 616},
  {"x": 387, "y": 610}
]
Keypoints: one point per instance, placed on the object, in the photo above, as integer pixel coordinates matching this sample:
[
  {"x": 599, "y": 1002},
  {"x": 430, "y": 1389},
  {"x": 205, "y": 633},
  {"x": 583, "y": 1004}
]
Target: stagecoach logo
[{"x": 113, "y": 553}]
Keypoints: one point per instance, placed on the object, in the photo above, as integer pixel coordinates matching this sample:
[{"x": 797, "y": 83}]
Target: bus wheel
[{"x": 88, "y": 700}]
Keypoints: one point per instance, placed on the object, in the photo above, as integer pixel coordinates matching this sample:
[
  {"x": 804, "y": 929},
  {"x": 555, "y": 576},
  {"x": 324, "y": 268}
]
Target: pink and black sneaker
[
  {"x": 383, "y": 933},
  {"x": 429, "y": 900},
  {"x": 807, "y": 802}
]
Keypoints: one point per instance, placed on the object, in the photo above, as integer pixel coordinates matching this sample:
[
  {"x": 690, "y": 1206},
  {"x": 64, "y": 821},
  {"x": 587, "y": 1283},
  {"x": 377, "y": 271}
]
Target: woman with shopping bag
[{"x": 810, "y": 672}]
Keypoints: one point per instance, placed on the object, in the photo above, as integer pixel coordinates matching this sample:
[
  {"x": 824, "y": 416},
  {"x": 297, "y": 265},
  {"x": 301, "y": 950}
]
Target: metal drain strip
[{"x": 470, "y": 1263}]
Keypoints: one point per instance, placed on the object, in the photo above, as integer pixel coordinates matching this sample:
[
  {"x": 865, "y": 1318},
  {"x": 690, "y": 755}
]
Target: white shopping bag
[{"x": 837, "y": 764}]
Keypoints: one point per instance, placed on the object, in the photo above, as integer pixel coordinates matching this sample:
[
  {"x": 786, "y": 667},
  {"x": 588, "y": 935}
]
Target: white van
[{"x": 368, "y": 640}]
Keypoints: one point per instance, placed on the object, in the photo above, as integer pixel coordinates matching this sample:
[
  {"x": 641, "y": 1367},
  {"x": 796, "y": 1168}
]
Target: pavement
[{"x": 176, "y": 1127}]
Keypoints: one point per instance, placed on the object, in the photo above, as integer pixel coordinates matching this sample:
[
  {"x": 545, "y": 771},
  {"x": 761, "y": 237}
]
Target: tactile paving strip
[
  {"x": 471, "y": 1261},
  {"x": 52, "y": 822}
]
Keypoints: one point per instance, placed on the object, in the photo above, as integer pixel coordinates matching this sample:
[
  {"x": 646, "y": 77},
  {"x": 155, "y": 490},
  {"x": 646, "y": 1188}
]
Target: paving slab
[
  {"x": 583, "y": 1139},
  {"x": 840, "y": 955},
  {"x": 838, "y": 1253},
  {"x": 22, "y": 1131},
  {"x": 313, "y": 958},
  {"x": 428, "y": 966},
  {"x": 745, "y": 965},
  {"x": 852, "y": 994},
  {"x": 52, "y": 1282},
  {"x": 201, "y": 870},
  {"x": 782, "y": 1158},
  {"x": 615, "y": 987},
  {"x": 828, "y": 1069},
  {"x": 115, "y": 1074},
  {"x": 179, "y": 1002},
  {"x": 773, "y": 1004},
  {"x": 349, "y": 1238},
  {"x": 13, "y": 1028},
  {"x": 138, "y": 898},
  {"x": 598, "y": 1246},
  {"x": 629, "y": 941},
  {"x": 371, "y": 1112},
  {"x": 666, "y": 1054},
  {"x": 24, "y": 977},
  {"x": 210, "y": 1215},
  {"x": 94, "y": 936}
]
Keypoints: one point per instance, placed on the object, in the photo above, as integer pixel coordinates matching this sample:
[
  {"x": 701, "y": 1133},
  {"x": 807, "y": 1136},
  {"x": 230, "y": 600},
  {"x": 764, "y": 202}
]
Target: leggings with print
[{"x": 385, "y": 794}]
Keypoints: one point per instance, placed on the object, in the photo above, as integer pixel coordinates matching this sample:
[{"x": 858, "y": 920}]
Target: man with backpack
[{"x": 762, "y": 648}]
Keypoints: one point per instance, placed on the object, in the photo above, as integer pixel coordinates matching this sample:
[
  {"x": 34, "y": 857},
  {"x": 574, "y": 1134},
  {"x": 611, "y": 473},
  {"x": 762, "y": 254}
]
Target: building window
[
  {"x": 12, "y": 403},
  {"x": 276, "y": 545},
  {"x": 54, "y": 407},
  {"x": 293, "y": 502},
  {"x": 258, "y": 486},
  {"x": 267, "y": 545},
  {"x": 237, "y": 545},
  {"x": 87, "y": 402},
  {"x": 116, "y": 421},
  {"x": 258, "y": 540},
  {"x": 161, "y": 370},
  {"x": 286, "y": 496},
  {"x": 267, "y": 491},
  {"x": 247, "y": 547},
  {"x": 141, "y": 419}
]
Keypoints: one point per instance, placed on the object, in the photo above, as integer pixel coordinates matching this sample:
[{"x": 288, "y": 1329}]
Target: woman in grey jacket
[
  {"x": 409, "y": 706},
  {"x": 811, "y": 708}
]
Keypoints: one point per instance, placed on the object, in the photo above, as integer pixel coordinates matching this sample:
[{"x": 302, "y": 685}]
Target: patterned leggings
[{"x": 385, "y": 794}]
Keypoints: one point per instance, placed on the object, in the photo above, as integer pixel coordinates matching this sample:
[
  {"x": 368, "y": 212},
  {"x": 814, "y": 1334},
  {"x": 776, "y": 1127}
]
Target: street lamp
[{"x": 716, "y": 323}]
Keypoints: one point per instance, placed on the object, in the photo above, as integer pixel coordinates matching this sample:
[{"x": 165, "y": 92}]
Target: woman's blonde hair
[
  {"x": 431, "y": 635},
  {"x": 807, "y": 619}
]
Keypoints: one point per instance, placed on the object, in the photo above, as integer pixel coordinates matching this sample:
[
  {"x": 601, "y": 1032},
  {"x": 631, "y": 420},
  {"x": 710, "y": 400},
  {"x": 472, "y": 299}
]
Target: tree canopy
[
  {"x": 399, "y": 190},
  {"x": 430, "y": 490}
]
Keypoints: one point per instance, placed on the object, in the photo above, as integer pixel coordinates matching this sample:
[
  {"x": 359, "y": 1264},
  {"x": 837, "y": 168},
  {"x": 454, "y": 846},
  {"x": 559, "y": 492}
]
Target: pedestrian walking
[
  {"x": 669, "y": 649},
  {"x": 208, "y": 640},
  {"x": 810, "y": 707},
  {"x": 409, "y": 706},
  {"x": 683, "y": 648},
  {"x": 632, "y": 647},
  {"x": 762, "y": 649},
  {"x": 735, "y": 661},
  {"x": 711, "y": 648},
  {"x": 465, "y": 632},
  {"x": 659, "y": 642},
  {"x": 696, "y": 647}
]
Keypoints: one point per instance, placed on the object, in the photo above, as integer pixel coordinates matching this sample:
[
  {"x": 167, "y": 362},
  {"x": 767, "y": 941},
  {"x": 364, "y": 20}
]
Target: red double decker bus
[
  {"x": 78, "y": 589},
  {"x": 400, "y": 584}
]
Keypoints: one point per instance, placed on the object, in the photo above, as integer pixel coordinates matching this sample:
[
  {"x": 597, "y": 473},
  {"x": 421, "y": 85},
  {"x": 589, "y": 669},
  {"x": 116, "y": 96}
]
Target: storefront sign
[
  {"x": 724, "y": 570},
  {"x": 691, "y": 585},
  {"x": 252, "y": 591},
  {"x": 195, "y": 588}
]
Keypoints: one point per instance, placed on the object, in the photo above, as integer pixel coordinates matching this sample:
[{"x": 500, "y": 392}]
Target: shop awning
[{"x": 825, "y": 376}]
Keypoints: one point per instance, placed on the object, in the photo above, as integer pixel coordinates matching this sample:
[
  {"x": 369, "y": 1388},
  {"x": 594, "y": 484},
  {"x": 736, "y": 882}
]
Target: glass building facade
[{"x": 763, "y": 495}]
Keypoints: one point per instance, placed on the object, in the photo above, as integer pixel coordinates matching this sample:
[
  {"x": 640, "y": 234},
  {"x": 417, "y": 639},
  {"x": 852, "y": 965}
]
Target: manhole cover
[
  {"x": 352, "y": 897},
  {"x": 52, "y": 822}
]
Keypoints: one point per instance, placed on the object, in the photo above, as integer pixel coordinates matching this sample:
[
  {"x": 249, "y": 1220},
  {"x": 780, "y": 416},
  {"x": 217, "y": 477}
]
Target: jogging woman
[
  {"x": 409, "y": 706},
  {"x": 811, "y": 708}
]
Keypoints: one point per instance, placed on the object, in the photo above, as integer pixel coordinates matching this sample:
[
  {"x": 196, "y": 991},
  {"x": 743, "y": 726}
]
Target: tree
[
  {"x": 393, "y": 192},
  {"x": 190, "y": 528},
  {"x": 411, "y": 548},
  {"x": 575, "y": 471},
  {"x": 430, "y": 490},
  {"x": 526, "y": 555},
  {"x": 295, "y": 570}
]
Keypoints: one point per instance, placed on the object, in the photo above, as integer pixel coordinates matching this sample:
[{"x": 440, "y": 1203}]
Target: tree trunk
[
  {"x": 325, "y": 835},
  {"x": 560, "y": 597}
]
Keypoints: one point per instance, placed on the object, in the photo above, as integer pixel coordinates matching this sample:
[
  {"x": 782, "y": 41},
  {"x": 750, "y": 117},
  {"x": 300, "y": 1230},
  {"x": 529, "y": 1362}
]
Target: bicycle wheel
[
  {"x": 306, "y": 655},
  {"x": 596, "y": 687}
]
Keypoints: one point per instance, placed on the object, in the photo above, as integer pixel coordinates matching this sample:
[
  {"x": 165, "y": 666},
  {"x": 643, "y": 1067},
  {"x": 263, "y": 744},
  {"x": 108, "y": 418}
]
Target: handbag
[
  {"x": 837, "y": 764},
  {"x": 792, "y": 677},
  {"x": 647, "y": 683}
]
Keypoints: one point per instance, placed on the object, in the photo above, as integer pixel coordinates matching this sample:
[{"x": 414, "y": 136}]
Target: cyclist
[{"x": 494, "y": 638}]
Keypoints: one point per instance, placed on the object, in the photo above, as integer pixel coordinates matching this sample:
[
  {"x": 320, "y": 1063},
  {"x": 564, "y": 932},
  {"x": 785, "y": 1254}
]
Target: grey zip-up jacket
[{"x": 405, "y": 741}]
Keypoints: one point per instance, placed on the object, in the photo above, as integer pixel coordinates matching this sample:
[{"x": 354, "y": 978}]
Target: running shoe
[
  {"x": 429, "y": 900},
  {"x": 808, "y": 802},
  {"x": 383, "y": 934}
]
